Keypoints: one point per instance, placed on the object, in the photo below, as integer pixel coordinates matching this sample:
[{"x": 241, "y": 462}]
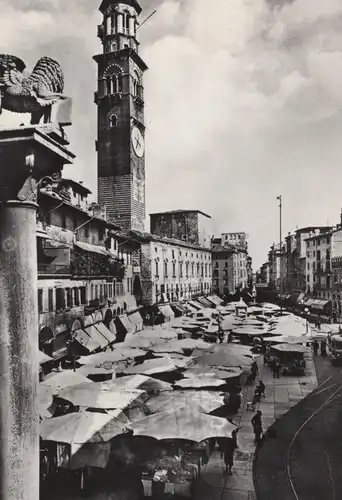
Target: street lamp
[
  {"x": 306, "y": 311},
  {"x": 279, "y": 198}
]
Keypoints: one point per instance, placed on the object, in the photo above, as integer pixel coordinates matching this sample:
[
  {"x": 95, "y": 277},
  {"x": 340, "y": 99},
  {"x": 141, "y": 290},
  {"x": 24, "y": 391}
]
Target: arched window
[
  {"x": 113, "y": 121},
  {"x": 114, "y": 84}
]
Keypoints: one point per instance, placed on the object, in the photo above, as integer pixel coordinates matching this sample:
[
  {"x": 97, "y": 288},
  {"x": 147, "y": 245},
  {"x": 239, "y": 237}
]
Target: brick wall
[{"x": 182, "y": 226}]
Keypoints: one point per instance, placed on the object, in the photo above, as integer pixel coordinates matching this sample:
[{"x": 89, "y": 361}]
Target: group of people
[{"x": 316, "y": 345}]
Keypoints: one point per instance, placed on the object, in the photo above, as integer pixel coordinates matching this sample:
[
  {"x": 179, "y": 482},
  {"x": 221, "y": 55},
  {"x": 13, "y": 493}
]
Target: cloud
[{"x": 243, "y": 102}]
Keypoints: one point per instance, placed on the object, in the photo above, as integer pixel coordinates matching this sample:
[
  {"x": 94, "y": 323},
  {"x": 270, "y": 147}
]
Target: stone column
[
  {"x": 19, "y": 369},
  {"x": 27, "y": 156}
]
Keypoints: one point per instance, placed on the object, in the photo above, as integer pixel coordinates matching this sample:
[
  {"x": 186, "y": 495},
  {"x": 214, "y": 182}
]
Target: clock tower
[{"x": 119, "y": 97}]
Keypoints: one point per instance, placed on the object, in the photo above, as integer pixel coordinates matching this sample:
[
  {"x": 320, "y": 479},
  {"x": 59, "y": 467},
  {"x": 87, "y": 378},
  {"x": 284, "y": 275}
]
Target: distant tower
[{"x": 120, "y": 115}]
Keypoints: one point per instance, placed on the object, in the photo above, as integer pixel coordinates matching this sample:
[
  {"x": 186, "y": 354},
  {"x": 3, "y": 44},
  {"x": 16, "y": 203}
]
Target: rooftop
[
  {"x": 148, "y": 237},
  {"x": 132, "y": 3},
  {"x": 181, "y": 211},
  {"x": 312, "y": 228},
  {"x": 77, "y": 186}
]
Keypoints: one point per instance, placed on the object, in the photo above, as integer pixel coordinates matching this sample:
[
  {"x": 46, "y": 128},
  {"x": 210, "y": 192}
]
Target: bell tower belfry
[{"x": 119, "y": 97}]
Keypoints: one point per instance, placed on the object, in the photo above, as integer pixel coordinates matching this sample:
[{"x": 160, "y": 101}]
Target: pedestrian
[
  {"x": 323, "y": 348},
  {"x": 277, "y": 367},
  {"x": 257, "y": 427},
  {"x": 261, "y": 388},
  {"x": 274, "y": 367},
  {"x": 229, "y": 447},
  {"x": 256, "y": 398},
  {"x": 254, "y": 369},
  {"x": 315, "y": 346}
]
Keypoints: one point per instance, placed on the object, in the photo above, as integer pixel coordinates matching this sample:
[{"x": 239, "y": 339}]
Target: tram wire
[{"x": 336, "y": 394}]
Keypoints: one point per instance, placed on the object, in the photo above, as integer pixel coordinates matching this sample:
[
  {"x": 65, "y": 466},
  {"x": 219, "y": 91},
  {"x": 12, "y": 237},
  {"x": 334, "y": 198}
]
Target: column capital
[{"x": 27, "y": 155}]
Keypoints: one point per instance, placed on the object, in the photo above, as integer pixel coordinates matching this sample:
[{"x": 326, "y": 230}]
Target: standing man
[
  {"x": 254, "y": 370},
  {"x": 229, "y": 447},
  {"x": 257, "y": 427}
]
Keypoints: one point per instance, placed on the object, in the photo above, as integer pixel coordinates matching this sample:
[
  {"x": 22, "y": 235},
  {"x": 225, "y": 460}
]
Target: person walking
[
  {"x": 257, "y": 427},
  {"x": 261, "y": 388},
  {"x": 315, "y": 346},
  {"x": 274, "y": 367},
  {"x": 229, "y": 447},
  {"x": 277, "y": 367},
  {"x": 254, "y": 369},
  {"x": 256, "y": 398},
  {"x": 323, "y": 348}
]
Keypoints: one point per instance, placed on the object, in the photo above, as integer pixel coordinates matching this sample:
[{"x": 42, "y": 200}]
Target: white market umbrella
[{"x": 186, "y": 423}]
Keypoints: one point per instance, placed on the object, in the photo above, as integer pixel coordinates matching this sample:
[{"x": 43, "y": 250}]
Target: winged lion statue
[{"x": 33, "y": 93}]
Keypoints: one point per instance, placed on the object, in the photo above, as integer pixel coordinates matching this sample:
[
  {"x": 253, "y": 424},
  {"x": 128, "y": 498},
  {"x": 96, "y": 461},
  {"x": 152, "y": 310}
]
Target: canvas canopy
[
  {"x": 158, "y": 365},
  {"x": 198, "y": 382},
  {"x": 290, "y": 348},
  {"x": 99, "y": 396},
  {"x": 64, "y": 379},
  {"x": 186, "y": 423},
  {"x": 208, "y": 400}
]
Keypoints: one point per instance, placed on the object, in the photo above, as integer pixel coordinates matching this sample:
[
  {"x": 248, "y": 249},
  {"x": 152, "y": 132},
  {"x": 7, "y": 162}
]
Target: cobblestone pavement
[{"x": 281, "y": 395}]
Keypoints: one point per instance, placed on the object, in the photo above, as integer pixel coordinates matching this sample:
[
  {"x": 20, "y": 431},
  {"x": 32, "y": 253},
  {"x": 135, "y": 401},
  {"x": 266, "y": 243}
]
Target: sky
[{"x": 243, "y": 103}]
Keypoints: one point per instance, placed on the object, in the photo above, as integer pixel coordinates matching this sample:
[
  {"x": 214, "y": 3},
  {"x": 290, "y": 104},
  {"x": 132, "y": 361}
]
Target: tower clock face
[{"x": 138, "y": 142}]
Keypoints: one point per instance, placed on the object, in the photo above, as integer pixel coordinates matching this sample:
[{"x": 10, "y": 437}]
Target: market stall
[{"x": 291, "y": 358}]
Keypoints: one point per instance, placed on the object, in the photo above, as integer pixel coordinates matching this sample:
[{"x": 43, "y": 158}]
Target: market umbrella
[
  {"x": 64, "y": 379},
  {"x": 187, "y": 423},
  {"x": 157, "y": 334},
  {"x": 45, "y": 401},
  {"x": 140, "y": 382},
  {"x": 288, "y": 339},
  {"x": 292, "y": 329},
  {"x": 230, "y": 322},
  {"x": 208, "y": 400},
  {"x": 249, "y": 330},
  {"x": 137, "y": 341},
  {"x": 290, "y": 348},
  {"x": 102, "y": 396},
  {"x": 199, "y": 382},
  {"x": 181, "y": 345},
  {"x": 224, "y": 358},
  {"x": 254, "y": 310},
  {"x": 111, "y": 357},
  {"x": 207, "y": 371},
  {"x": 79, "y": 428},
  {"x": 158, "y": 365},
  {"x": 105, "y": 369}
]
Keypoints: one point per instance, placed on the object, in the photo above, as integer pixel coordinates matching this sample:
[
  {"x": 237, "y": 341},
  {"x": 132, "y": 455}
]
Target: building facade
[
  {"x": 86, "y": 271},
  {"x": 190, "y": 226},
  {"x": 277, "y": 266},
  {"x": 238, "y": 239},
  {"x": 176, "y": 257},
  {"x": 119, "y": 98},
  {"x": 264, "y": 274},
  {"x": 232, "y": 266},
  {"x": 173, "y": 270},
  {"x": 296, "y": 254},
  {"x": 319, "y": 278}
]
